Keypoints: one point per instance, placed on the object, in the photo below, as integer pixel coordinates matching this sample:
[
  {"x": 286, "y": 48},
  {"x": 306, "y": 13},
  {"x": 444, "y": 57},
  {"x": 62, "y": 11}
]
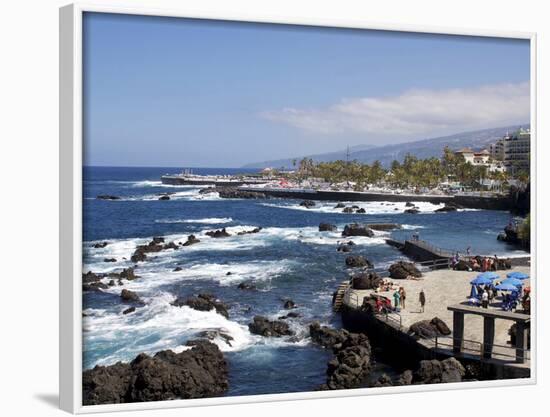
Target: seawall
[{"x": 475, "y": 202}]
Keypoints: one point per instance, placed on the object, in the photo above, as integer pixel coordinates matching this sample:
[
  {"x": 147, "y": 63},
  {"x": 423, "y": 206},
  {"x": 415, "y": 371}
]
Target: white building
[
  {"x": 513, "y": 150},
  {"x": 481, "y": 158}
]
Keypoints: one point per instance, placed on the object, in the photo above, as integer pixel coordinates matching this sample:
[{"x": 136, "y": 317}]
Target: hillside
[{"x": 386, "y": 154}]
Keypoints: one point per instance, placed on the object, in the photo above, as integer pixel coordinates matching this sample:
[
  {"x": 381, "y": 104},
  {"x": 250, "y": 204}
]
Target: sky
[{"x": 196, "y": 93}]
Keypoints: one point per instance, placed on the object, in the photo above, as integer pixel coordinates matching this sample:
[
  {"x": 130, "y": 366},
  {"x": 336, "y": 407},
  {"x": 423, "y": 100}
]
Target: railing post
[
  {"x": 521, "y": 342},
  {"x": 488, "y": 336},
  {"x": 458, "y": 331}
]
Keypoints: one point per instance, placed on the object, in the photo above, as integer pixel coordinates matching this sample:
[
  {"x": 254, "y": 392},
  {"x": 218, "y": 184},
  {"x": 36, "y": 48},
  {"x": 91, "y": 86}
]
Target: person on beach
[
  {"x": 403, "y": 296},
  {"x": 396, "y": 299},
  {"x": 468, "y": 250},
  {"x": 422, "y": 299},
  {"x": 484, "y": 299}
]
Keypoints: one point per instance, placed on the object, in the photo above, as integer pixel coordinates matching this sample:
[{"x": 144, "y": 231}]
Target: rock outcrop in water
[
  {"x": 307, "y": 203},
  {"x": 402, "y": 270},
  {"x": 100, "y": 245},
  {"x": 107, "y": 197},
  {"x": 327, "y": 227},
  {"x": 203, "y": 302},
  {"x": 195, "y": 373},
  {"x": 358, "y": 261},
  {"x": 351, "y": 365},
  {"x": 357, "y": 229},
  {"x": 155, "y": 245},
  {"x": 191, "y": 240},
  {"x": 384, "y": 226},
  {"x": 269, "y": 328},
  {"x": 250, "y": 232},
  {"x": 130, "y": 296},
  {"x": 218, "y": 233}
]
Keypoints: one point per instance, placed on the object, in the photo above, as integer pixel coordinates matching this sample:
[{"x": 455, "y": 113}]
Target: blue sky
[{"x": 180, "y": 92}]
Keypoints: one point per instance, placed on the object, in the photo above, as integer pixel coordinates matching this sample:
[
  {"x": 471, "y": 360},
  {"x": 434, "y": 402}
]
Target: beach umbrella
[
  {"x": 513, "y": 281},
  {"x": 490, "y": 275},
  {"x": 517, "y": 275},
  {"x": 481, "y": 281},
  {"x": 506, "y": 287},
  {"x": 473, "y": 292}
]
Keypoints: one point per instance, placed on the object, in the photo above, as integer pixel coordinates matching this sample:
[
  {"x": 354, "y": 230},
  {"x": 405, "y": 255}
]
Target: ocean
[{"x": 288, "y": 259}]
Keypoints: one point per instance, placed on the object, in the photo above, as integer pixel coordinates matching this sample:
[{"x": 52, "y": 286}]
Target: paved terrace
[{"x": 445, "y": 288}]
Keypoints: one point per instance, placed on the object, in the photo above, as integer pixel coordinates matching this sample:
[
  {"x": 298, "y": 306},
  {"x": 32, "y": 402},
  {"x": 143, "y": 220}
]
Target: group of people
[
  {"x": 486, "y": 264},
  {"x": 400, "y": 297}
]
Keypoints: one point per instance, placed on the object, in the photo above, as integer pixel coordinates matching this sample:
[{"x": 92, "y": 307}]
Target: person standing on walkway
[
  {"x": 403, "y": 296},
  {"x": 396, "y": 299},
  {"x": 422, "y": 299}
]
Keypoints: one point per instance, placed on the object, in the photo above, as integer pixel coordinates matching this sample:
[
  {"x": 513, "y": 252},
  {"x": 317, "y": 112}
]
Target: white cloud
[{"x": 415, "y": 112}]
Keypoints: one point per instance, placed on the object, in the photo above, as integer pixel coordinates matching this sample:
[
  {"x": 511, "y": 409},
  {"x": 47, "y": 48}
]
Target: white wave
[
  {"x": 312, "y": 235},
  {"x": 158, "y": 326},
  {"x": 412, "y": 226},
  {"x": 208, "y": 220},
  {"x": 370, "y": 207}
]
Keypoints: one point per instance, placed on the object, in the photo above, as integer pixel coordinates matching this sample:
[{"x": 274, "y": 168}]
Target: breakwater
[{"x": 466, "y": 201}]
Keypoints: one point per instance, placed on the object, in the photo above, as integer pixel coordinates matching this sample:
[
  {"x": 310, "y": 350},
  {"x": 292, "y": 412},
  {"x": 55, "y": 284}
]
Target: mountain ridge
[{"x": 423, "y": 148}]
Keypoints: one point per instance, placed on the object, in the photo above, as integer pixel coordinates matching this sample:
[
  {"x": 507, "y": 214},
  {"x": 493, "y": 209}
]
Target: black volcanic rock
[
  {"x": 107, "y": 197},
  {"x": 327, "y": 227},
  {"x": 358, "y": 261},
  {"x": 218, "y": 233},
  {"x": 191, "y": 240},
  {"x": 402, "y": 269},
  {"x": 204, "y": 302},
  {"x": 357, "y": 229},
  {"x": 269, "y": 328},
  {"x": 307, "y": 203},
  {"x": 439, "y": 372},
  {"x": 231, "y": 192},
  {"x": 365, "y": 281},
  {"x": 195, "y": 373},
  {"x": 130, "y": 296},
  {"x": 100, "y": 245}
]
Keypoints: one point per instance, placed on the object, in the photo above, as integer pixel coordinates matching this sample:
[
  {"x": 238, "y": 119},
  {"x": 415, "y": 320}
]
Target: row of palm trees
[{"x": 413, "y": 172}]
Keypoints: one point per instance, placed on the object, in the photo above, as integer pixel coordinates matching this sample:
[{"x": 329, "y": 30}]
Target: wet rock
[
  {"x": 365, "y": 281},
  {"x": 191, "y": 240},
  {"x": 339, "y": 205},
  {"x": 406, "y": 378},
  {"x": 402, "y": 269},
  {"x": 100, "y": 245},
  {"x": 357, "y": 229},
  {"x": 361, "y": 211},
  {"x": 92, "y": 282},
  {"x": 204, "y": 302},
  {"x": 289, "y": 304},
  {"x": 412, "y": 211},
  {"x": 358, "y": 261},
  {"x": 384, "y": 226},
  {"x": 248, "y": 232},
  {"x": 327, "y": 227},
  {"x": 291, "y": 315},
  {"x": 213, "y": 334},
  {"x": 344, "y": 248},
  {"x": 246, "y": 286},
  {"x": 155, "y": 245},
  {"x": 109, "y": 260},
  {"x": 129, "y": 310},
  {"x": 264, "y": 327},
  {"x": 438, "y": 372},
  {"x": 107, "y": 197},
  {"x": 177, "y": 269},
  {"x": 130, "y": 296},
  {"x": 195, "y": 373},
  {"x": 307, "y": 203},
  {"x": 409, "y": 204},
  {"x": 164, "y": 197},
  {"x": 94, "y": 286},
  {"x": 218, "y": 233},
  {"x": 446, "y": 208},
  {"x": 347, "y": 210},
  {"x": 111, "y": 283},
  {"x": 351, "y": 364}
]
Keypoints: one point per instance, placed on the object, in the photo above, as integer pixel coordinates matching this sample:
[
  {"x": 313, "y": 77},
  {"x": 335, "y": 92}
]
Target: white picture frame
[{"x": 70, "y": 203}]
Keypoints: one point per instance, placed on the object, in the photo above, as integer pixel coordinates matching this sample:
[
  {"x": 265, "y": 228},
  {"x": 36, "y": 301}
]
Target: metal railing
[
  {"x": 477, "y": 348},
  {"x": 390, "y": 316}
]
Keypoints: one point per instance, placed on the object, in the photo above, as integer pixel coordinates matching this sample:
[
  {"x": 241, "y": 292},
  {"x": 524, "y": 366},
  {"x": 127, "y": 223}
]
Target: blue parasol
[
  {"x": 513, "y": 281},
  {"x": 481, "y": 281},
  {"x": 473, "y": 292},
  {"x": 506, "y": 287},
  {"x": 490, "y": 275},
  {"x": 517, "y": 275}
]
